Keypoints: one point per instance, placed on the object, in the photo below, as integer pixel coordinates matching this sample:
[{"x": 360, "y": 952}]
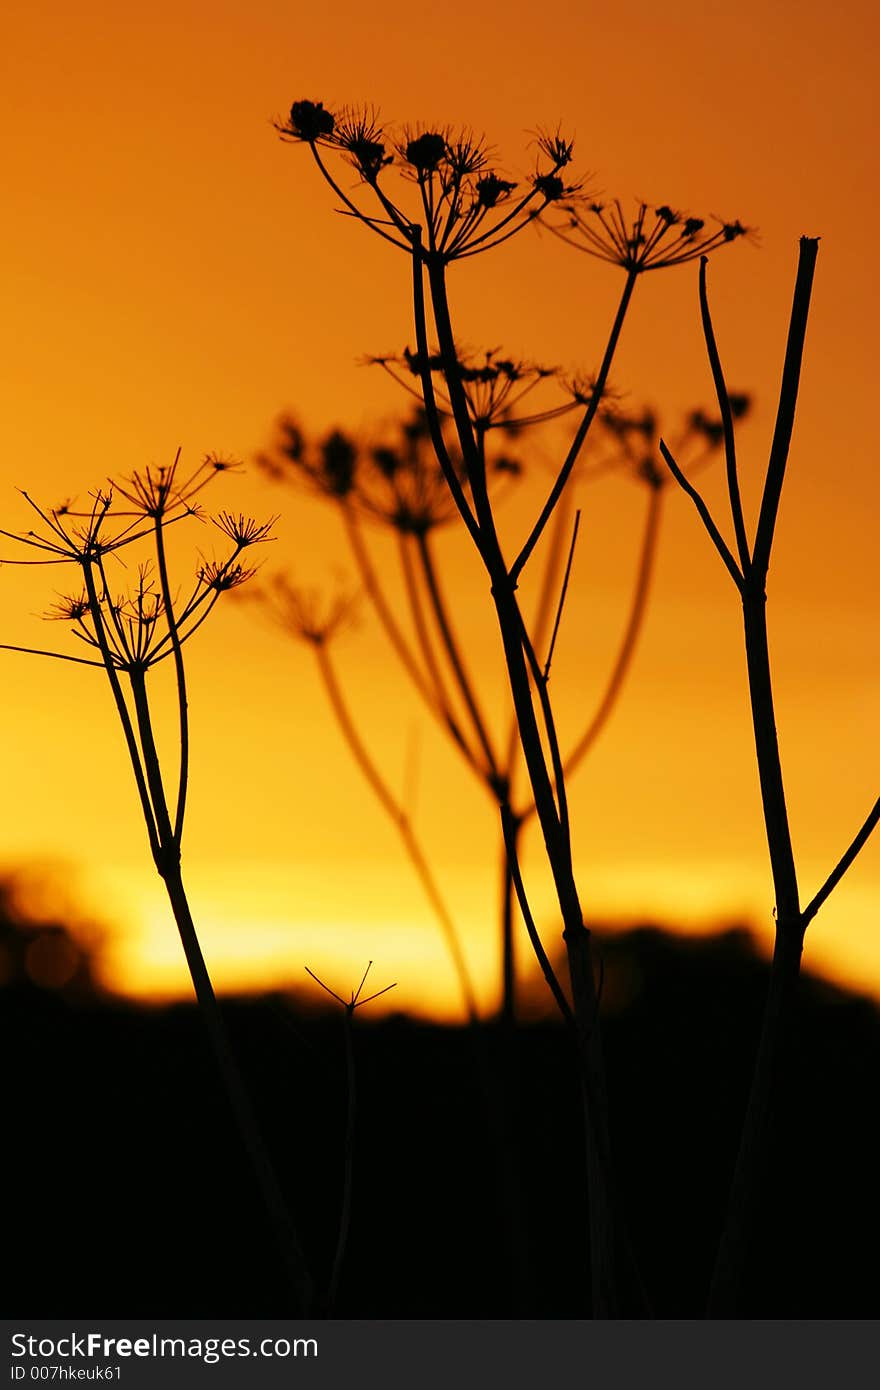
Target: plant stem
[
  {"x": 729, "y": 1271},
  {"x": 168, "y": 864},
  {"x": 629, "y": 640},
  {"x": 508, "y": 940},
  {"x": 442, "y": 703},
  {"x": 180, "y": 677},
  {"x": 396, "y": 813},
  {"x": 281, "y": 1222},
  {"x": 769, "y": 764},
  {"x": 730, "y": 1261},
  {"x": 383, "y": 610},
  {"x": 453, "y": 651},
  {"x": 582, "y": 429},
  {"x": 575, "y": 934},
  {"x": 348, "y": 1172}
]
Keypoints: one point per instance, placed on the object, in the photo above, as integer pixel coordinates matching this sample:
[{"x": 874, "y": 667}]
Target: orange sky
[{"x": 176, "y": 276}]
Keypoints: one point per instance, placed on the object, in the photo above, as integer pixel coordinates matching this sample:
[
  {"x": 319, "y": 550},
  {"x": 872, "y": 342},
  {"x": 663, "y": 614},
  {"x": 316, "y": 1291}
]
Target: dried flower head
[
  {"x": 307, "y": 613},
  {"x": 355, "y": 1001},
  {"x": 495, "y": 386},
  {"x": 394, "y": 479},
  {"x": 244, "y": 530},
  {"x": 359, "y": 134},
  {"x": 83, "y": 537},
  {"x": 222, "y": 575},
  {"x": 424, "y": 153},
  {"x": 309, "y": 121},
  {"x": 158, "y": 491},
  {"x": 68, "y": 608},
  {"x": 463, "y": 204},
  {"x": 652, "y": 238}
]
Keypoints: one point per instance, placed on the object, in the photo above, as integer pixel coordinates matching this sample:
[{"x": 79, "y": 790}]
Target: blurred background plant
[{"x": 393, "y": 501}]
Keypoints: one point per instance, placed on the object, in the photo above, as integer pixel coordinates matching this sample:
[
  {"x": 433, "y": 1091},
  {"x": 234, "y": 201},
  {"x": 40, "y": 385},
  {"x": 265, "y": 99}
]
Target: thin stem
[
  {"x": 629, "y": 640},
  {"x": 122, "y": 710},
  {"x": 280, "y": 1219},
  {"x": 508, "y": 939},
  {"x": 721, "y": 392},
  {"x": 442, "y": 703},
  {"x": 168, "y": 864},
  {"x": 353, "y": 209},
  {"x": 398, "y": 816},
  {"x": 575, "y": 935},
  {"x": 843, "y": 864},
  {"x": 791, "y": 371},
  {"x": 180, "y": 678},
  {"x": 431, "y": 411},
  {"x": 152, "y": 765},
  {"x": 730, "y": 1261},
  {"x": 582, "y": 429},
  {"x": 348, "y": 1173},
  {"x": 510, "y": 830},
  {"x": 552, "y": 739},
  {"x": 444, "y": 624},
  {"x": 58, "y": 656},
  {"x": 541, "y": 622},
  {"x": 730, "y": 1264},
  {"x": 769, "y": 764},
  {"x": 562, "y": 593},
  {"x": 705, "y": 516}
]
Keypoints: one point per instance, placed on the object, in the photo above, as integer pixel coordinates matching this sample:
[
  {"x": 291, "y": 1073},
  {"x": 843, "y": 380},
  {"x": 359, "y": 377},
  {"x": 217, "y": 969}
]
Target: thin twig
[
  {"x": 57, "y": 656},
  {"x": 180, "y": 678},
  {"x": 705, "y": 516},
  {"x": 721, "y": 392},
  {"x": 562, "y": 594},
  {"x": 581, "y": 432},
  {"x": 788, "y": 393},
  {"x": 397, "y": 815},
  {"x": 843, "y": 864},
  {"x": 441, "y": 701},
  {"x": 508, "y": 830},
  {"x": 453, "y": 652}
]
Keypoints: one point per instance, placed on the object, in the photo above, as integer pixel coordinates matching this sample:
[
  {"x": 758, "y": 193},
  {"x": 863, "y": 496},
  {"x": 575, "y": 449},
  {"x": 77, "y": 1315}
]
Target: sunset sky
[{"x": 177, "y": 276}]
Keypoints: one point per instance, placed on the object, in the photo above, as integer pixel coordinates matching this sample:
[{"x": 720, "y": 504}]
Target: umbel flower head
[
  {"x": 307, "y": 613},
  {"x": 651, "y": 238},
  {"x": 137, "y": 629},
  {"x": 394, "y": 480},
  {"x": 495, "y": 386},
  {"x": 158, "y": 492},
  {"x": 453, "y": 200},
  {"x": 66, "y": 535}
]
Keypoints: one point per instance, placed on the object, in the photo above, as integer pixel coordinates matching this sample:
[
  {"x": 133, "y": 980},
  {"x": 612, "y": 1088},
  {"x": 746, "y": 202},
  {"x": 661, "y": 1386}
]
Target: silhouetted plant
[
  {"x": 349, "y": 1007},
  {"x": 450, "y": 202},
  {"x": 397, "y": 486},
  {"x": 748, "y": 566},
  {"x": 130, "y": 635}
]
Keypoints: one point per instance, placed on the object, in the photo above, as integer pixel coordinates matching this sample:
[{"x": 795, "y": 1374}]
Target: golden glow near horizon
[{"x": 175, "y": 275}]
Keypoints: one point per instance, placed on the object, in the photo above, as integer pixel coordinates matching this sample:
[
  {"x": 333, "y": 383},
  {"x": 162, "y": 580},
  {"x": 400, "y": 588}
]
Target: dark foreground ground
[{"x": 125, "y": 1193}]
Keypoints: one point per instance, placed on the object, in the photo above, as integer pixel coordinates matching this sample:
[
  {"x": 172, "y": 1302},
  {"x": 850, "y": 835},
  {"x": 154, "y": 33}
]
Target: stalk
[
  {"x": 168, "y": 864},
  {"x": 348, "y": 1172},
  {"x": 575, "y": 934},
  {"x": 730, "y": 1263},
  {"x": 396, "y": 814}
]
